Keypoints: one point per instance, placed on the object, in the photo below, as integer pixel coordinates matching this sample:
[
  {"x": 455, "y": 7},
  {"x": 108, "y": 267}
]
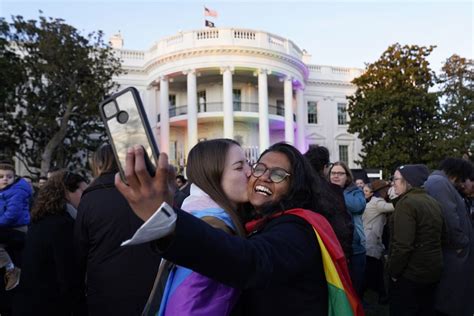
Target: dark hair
[
  {"x": 103, "y": 160},
  {"x": 206, "y": 163},
  {"x": 304, "y": 187},
  {"x": 318, "y": 157},
  {"x": 7, "y": 166},
  {"x": 350, "y": 177},
  {"x": 457, "y": 167},
  {"x": 182, "y": 178},
  {"x": 52, "y": 196}
]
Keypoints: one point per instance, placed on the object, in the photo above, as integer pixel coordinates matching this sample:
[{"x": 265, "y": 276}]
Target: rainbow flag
[{"x": 343, "y": 300}]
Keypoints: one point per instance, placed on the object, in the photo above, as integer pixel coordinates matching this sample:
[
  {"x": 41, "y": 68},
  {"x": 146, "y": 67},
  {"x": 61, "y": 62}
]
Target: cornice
[
  {"x": 338, "y": 83},
  {"x": 219, "y": 50}
]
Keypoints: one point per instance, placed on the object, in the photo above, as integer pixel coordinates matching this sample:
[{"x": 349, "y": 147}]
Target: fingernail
[{"x": 130, "y": 150}]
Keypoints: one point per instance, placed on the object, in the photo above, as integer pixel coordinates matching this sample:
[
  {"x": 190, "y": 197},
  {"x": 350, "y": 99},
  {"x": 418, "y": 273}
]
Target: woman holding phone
[
  {"x": 218, "y": 171},
  {"x": 280, "y": 267}
]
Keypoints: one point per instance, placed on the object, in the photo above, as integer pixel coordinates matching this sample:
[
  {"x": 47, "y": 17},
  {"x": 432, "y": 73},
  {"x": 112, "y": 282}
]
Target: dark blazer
[
  {"x": 49, "y": 283},
  {"x": 119, "y": 279},
  {"x": 278, "y": 268}
]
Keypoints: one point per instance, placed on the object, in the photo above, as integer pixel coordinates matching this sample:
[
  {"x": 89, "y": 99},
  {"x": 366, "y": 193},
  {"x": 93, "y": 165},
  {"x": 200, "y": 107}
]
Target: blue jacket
[
  {"x": 355, "y": 204},
  {"x": 15, "y": 204}
]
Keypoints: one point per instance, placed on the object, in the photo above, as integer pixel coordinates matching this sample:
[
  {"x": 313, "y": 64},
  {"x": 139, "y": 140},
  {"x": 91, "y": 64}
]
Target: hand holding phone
[{"x": 127, "y": 125}]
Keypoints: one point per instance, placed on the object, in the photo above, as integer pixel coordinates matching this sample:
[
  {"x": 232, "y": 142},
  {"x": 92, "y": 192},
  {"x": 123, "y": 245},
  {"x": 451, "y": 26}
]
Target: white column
[
  {"x": 228, "y": 106},
  {"x": 300, "y": 137},
  {"x": 263, "y": 123},
  {"x": 164, "y": 116},
  {"x": 288, "y": 97},
  {"x": 192, "y": 109},
  {"x": 150, "y": 106}
]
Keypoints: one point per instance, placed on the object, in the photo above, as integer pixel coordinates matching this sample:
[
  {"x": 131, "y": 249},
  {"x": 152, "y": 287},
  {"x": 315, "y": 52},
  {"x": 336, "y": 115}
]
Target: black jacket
[
  {"x": 49, "y": 283},
  {"x": 279, "y": 268},
  {"x": 119, "y": 279}
]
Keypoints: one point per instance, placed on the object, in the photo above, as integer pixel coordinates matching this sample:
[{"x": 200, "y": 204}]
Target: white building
[{"x": 252, "y": 86}]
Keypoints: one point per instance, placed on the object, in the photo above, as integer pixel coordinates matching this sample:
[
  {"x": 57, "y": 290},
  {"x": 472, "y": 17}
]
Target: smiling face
[
  {"x": 263, "y": 191},
  {"x": 367, "y": 192},
  {"x": 235, "y": 175}
]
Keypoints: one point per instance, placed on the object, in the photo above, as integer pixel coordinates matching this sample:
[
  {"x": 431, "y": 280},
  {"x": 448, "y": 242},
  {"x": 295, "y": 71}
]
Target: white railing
[
  {"x": 207, "y": 34},
  {"x": 250, "y": 35}
]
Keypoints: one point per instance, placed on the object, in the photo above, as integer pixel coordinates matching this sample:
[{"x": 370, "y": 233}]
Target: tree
[
  {"x": 457, "y": 109},
  {"x": 11, "y": 77},
  {"x": 56, "y": 120},
  {"x": 393, "y": 110}
]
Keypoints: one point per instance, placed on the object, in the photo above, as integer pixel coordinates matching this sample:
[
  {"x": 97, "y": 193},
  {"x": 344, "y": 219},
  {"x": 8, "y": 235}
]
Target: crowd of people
[{"x": 288, "y": 234}]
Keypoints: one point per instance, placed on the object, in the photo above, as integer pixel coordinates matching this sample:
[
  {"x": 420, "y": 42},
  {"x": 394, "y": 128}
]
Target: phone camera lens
[{"x": 122, "y": 117}]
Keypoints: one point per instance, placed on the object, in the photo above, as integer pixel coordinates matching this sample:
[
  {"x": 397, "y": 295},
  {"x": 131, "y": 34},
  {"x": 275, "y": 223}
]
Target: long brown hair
[
  {"x": 206, "y": 163},
  {"x": 103, "y": 160},
  {"x": 51, "y": 198}
]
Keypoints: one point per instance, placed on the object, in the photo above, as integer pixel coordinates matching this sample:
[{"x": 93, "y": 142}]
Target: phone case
[{"x": 127, "y": 125}]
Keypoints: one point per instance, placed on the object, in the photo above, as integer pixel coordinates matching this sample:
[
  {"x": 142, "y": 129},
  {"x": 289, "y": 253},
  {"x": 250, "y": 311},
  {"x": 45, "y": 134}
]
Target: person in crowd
[
  {"x": 354, "y": 198},
  {"x": 49, "y": 282},
  {"x": 117, "y": 279},
  {"x": 182, "y": 190},
  {"x": 359, "y": 183},
  {"x": 279, "y": 267},
  {"x": 374, "y": 220},
  {"x": 456, "y": 288},
  {"x": 42, "y": 181},
  {"x": 318, "y": 157},
  {"x": 368, "y": 193},
  {"x": 218, "y": 171},
  {"x": 415, "y": 258},
  {"x": 15, "y": 195},
  {"x": 180, "y": 181}
]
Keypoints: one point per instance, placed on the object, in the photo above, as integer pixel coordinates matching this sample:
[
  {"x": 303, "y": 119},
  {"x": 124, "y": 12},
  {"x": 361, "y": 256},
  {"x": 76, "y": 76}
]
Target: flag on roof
[
  {"x": 209, "y": 23},
  {"x": 209, "y": 12}
]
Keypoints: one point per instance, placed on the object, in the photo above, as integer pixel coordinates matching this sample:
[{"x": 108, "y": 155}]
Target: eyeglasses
[
  {"x": 277, "y": 175},
  {"x": 339, "y": 174}
]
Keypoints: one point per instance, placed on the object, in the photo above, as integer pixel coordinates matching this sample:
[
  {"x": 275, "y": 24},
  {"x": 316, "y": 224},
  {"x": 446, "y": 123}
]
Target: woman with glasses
[
  {"x": 49, "y": 283},
  {"x": 341, "y": 175},
  {"x": 279, "y": 267}
]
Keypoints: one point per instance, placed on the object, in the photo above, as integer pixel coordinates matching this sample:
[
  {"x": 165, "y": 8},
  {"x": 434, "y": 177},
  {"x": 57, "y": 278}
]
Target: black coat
[
  {"x": 279, "y": 268},
  {"x": 49, "y": 283},
  {"x": 119, "y": 279}
]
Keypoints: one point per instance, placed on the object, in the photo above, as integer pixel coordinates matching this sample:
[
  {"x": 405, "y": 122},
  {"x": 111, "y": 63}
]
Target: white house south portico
[{"x": 255, "y": 87}]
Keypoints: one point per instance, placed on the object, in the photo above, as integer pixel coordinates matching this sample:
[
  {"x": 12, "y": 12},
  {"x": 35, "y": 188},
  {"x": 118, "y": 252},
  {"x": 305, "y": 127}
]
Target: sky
[{"x": 346, "y": 33}]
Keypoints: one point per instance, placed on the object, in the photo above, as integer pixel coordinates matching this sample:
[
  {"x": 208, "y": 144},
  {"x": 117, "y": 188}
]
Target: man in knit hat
[{"x": 415, "y": 257}]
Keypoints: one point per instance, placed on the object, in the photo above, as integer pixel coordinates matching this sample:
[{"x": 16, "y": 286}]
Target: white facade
[{"x": 255, "y": 87}]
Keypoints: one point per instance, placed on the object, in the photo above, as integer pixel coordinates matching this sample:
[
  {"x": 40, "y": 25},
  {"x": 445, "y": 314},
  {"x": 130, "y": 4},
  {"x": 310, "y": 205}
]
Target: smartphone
[{"x": 127, "y": 125}]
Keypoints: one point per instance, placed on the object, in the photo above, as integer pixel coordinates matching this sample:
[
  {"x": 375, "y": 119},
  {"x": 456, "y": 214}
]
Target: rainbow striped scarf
[{"x": 343, "y": 300}]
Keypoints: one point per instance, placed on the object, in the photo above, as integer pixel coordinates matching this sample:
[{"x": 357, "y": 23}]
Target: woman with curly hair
[{"x": 49, "y": 282}]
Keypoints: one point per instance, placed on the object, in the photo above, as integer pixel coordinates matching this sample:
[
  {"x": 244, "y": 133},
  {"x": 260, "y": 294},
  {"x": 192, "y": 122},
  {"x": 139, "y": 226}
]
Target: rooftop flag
[
  {"x": 209, "y": 12},
  {"x": 209, "y": 23}
]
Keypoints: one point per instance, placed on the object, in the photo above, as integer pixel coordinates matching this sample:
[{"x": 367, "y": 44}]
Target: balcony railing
[{"x": 218, "y": 107}]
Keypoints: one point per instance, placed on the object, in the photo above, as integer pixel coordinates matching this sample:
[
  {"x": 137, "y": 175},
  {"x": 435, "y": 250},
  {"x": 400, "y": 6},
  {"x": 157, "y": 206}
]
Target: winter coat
[
  {"x": 374, "y": 219},
  {"x": 456, "y": 288},
  {"x": 15, "y": 204},
  {"x": 355, "y": 204},
  {"x": 415, "y": 244},
  {"x": 278, "y": 268},
  {"x": 49, "y": 283},
  {"x": 119, "y": 279}
]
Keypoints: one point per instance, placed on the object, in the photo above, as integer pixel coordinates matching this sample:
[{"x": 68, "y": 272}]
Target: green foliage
[
  {"x": 52, "y": 111},
  {"x": 393, "y": 111},
  {"x": 457, "y": 109}
]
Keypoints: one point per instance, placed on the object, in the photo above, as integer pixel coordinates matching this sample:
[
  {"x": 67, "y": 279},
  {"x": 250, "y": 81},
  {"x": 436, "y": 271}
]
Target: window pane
[
  {"x": 201, "y": 98},
  {"x": 341, "y": 114},
  {"x": 237, "y": 99},
  {"x": 344, "y": 153},
  {"x": 312, "y": 112}
]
